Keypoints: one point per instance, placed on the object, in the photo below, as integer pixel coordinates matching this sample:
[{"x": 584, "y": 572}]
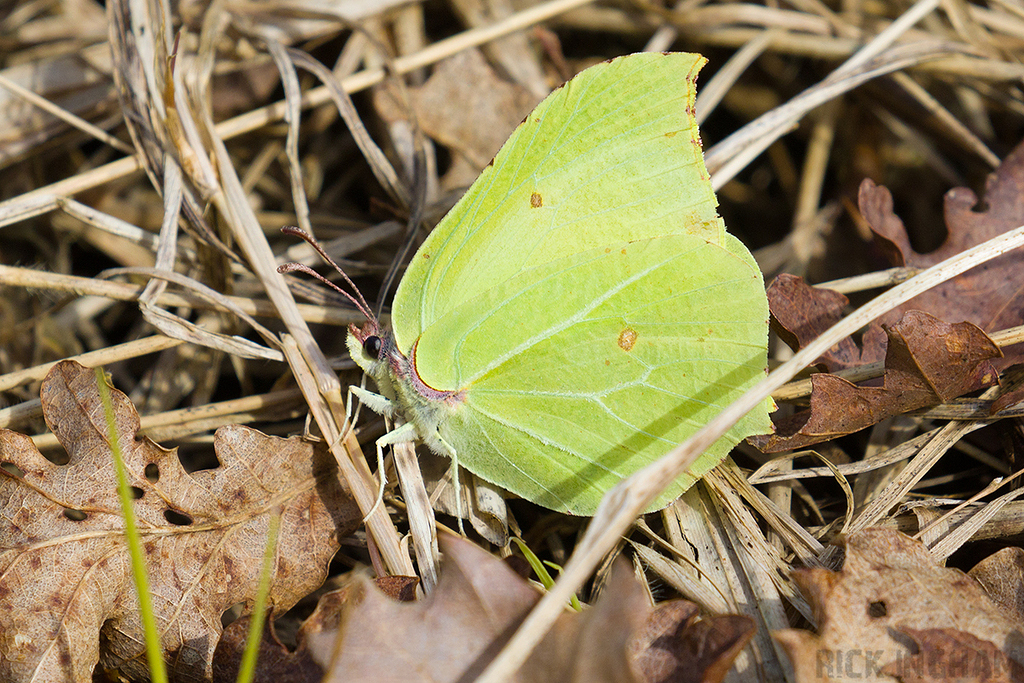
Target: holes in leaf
[
  {"x": 137, "y": 492},
  {"x": 232, "y": 614},
  {"x": 877, "y": 609},
  {"x": 12, "y": 469},
  {"x": 177, "y": 518},
  {"x": 152, "y": 473},
  {"x": 75, "y": 515},
  {"x": 197, "y": 457},
  {"x": 57, "y": 457}
]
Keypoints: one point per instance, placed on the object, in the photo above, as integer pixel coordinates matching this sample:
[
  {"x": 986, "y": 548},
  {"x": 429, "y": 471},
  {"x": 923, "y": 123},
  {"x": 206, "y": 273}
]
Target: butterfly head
[{"x": 372, "y": 348}]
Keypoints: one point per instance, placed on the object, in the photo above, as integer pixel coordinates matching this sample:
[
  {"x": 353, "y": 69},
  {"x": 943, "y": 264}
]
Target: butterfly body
[{"x": 400, "y": 386}]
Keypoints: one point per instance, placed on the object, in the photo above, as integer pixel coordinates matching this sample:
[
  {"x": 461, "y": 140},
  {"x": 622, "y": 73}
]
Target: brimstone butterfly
[{"x": 581, "y": 310}]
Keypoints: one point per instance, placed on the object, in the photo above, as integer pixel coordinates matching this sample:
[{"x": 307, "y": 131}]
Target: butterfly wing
[
  {"x": 612, "y": 156},
  {"x": 580, "y": 371}
]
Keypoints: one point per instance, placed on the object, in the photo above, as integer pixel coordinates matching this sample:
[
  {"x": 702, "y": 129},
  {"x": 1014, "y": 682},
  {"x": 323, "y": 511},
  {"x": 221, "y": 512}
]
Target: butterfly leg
[
  {"x": 404, "y": 434},
  {"x": 437, "y": 446},
  {"x": 385, "y": 407},
  {"x": 382, "y": 405},
  {"x": 436, "y": 443}
]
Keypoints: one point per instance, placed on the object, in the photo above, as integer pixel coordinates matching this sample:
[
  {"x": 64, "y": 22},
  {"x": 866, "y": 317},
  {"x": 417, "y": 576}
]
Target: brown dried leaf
[
  {"x": 275, "y": 663},
  {"x": 467, "y": 107},
  {"x": 455, "y": 632},
  {"x": 927, "y": 361},
  {"x": 945, "y": 654},
  {"x": 889, "y": 584},
  {"x": 1007, "y": 399},
  {"x": 66, "y": 584},
  {"x": 673, "y": 647},
  {"x": 401, "y": 588},
  {"x": 1002, "y": 575},
  {"x": 988, "y": 296},
  {"x": 593, "y": 645},
  {"x": 438, "y": 639},
  {"x": 800, "y": 313}
]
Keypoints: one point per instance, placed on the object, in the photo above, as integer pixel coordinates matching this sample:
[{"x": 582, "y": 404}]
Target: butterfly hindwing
[{"x": 580, "y": 371}]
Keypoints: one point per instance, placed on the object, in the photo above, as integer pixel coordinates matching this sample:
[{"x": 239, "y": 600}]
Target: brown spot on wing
[{"x": 627, "y": 338}]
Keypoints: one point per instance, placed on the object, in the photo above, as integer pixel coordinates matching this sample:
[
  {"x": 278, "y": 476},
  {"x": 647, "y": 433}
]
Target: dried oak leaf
[
  {"x": 927, "y": 362},
  {"x": 276, "y": 663},
  {"x": 945, "y": 654},
  {"x": 67, "y": 600},
  {"x": 889, "y": 586},
  {"x": 479, "y": 601},
  {"x": 801, "y": 312},
  {"x": 988, "y": 295}
]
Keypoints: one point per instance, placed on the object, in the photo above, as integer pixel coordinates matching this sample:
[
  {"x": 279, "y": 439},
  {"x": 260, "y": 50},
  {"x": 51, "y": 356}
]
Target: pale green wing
[
  {"x": 582, "y": 370},
  {"x": 612, "y": 156}
]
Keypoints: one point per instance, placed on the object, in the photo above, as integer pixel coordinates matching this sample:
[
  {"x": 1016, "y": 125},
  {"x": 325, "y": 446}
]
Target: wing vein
[{"x": 568, "y": 322}]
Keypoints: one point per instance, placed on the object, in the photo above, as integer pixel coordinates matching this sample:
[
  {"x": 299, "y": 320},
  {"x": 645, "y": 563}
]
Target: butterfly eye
[{"x": 372, "y": 346}]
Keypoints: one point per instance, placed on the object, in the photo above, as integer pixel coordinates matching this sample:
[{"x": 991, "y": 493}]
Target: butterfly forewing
[{"x": 612, "y": 156}]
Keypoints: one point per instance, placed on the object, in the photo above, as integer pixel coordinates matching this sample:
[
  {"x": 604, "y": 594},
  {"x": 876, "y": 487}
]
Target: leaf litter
[
  {"x": 360, "y": 634},
  {"x": 66, "y": 597},
  {"x": 941, "y": 121},
  {"x": 895, "y": 613},
  {"x": 927, "y": 361}
]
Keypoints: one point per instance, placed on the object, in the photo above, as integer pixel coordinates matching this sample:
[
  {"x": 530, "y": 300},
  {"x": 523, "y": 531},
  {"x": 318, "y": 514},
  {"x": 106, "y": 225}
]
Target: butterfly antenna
[{"x": 357, "y": 300}]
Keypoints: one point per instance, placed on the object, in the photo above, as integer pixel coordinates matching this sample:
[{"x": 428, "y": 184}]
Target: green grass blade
[
  {"x": 252, "y": 644},
  {"x": 154, "y": 652},
  {"x": 542, "y": 572}
]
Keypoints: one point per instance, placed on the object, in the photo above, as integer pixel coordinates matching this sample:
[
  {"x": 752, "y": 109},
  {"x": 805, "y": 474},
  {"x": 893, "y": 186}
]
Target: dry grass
[{"x": 174, "y": 289}]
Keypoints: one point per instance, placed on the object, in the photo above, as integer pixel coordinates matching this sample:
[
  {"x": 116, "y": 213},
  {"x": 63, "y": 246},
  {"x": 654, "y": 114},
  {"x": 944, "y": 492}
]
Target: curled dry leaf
[
  {"x": 479, "y": 601},
  {"x": 674, "y": 647},
  {"x": 890, "y": 596},
  {"x": 945, "y": 654},
  {"x": 988, "y": 296},
  {"x": 801, "y": 313},
  {"x": 927, "y": 361},
  {"x": 276, "y": 663},
  {"x": 67, "y": 600}
]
